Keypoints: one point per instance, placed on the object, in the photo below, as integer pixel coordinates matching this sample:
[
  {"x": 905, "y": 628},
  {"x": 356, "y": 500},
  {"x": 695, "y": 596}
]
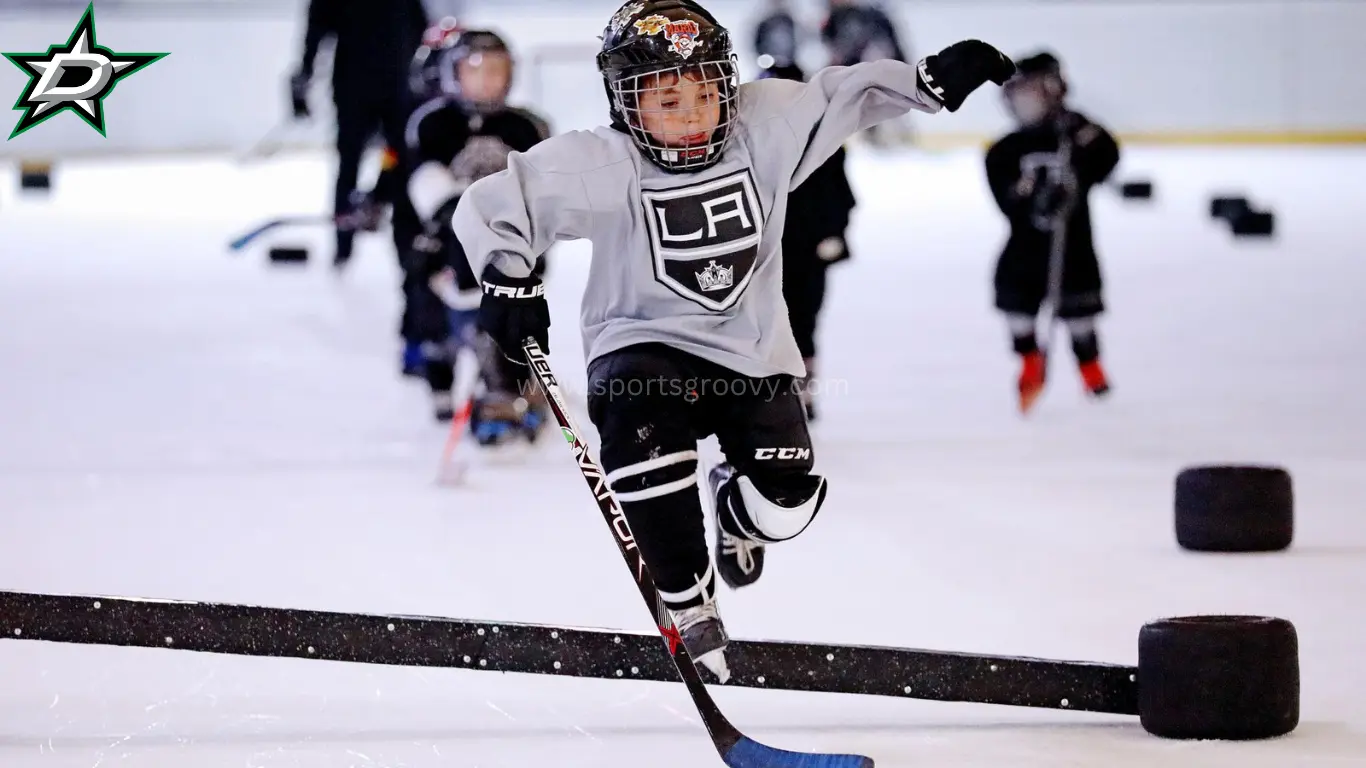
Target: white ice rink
[{"x": 176, "y": 422}]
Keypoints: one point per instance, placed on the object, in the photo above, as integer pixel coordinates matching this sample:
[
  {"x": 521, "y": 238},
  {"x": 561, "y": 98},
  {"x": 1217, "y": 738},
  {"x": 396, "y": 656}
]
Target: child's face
[
  {"x": 485, "y": 77},
  {"x": 679, "y": 111}
]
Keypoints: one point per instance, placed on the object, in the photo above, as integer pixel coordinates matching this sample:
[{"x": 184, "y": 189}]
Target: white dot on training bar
[
  {"x": 557, "y": 665},
  {"x": 635, "y": 670},
  {"x": 480, "y": 632},
  {"x": 1064, "y": 702},
  {"x": 467, "y": 659},
  {"x": 391, "y": 627},
  {"x": 994, "y": 667},
  {"x": 829, "y": 657},
  {"x": 483, "y": 662},
  {"x": 18, "y": 631},
  {"x": 618, "y": 673},
  {"x": 761, "y": 679},
  {"x": 616, "y": 640},
  {"x": 97, "y": 605},
  {"x": 907, "y": 689},
  {"x": 1133, "y": 678},
  {"x": 310, "y": 649},
  {"x": 495, "y": 630},
  {"x": 169, "y": 640},
  {"x": 554, "y": 635}
]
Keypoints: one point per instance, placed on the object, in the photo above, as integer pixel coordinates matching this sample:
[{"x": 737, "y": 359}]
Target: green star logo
[{"x": 77, "y": 76}]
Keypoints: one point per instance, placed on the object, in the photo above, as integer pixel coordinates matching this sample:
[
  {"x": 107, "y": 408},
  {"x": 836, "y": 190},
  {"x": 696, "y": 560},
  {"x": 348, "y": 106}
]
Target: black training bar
[{"x": 572, "y": 652}]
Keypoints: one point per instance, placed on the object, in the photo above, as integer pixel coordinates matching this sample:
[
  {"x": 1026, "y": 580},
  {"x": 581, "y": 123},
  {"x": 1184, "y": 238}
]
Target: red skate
[
  {"x": 1093, "y": 376},
  {"x": 1031, "y": 379}
]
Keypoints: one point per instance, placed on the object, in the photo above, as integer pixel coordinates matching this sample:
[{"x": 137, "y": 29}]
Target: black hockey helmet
[
  {"x": 655, "y": 38},
  {"x": 1038, "y": 88},
  {"x": 471, "y": 46}
]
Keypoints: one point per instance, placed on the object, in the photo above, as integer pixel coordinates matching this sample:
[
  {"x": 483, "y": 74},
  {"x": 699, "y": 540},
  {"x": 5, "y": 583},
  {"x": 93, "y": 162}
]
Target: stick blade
[
  {"x": 248, "y": 237},
  {"x": 748, "y": 753}
]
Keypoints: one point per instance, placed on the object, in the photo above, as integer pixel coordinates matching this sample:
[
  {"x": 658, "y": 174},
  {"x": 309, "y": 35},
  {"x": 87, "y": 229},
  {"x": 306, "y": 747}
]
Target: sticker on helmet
[
  {"x": 625, "y": 14},
  {"x": 681, "y": 34}
]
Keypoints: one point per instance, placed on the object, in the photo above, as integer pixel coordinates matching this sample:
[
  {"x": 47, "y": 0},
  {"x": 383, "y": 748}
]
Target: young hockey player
[
  {"x": 1039, "y": 173},
  {"x": 684, "y": 198},
  {"x": 813, "y": 239},
  {"x": 464, "y": 134}
]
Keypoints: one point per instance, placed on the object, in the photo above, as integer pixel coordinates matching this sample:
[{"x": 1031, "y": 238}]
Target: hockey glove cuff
[
  {"x": 951, "y": 75},
  {"x": 512, "y": 309}
]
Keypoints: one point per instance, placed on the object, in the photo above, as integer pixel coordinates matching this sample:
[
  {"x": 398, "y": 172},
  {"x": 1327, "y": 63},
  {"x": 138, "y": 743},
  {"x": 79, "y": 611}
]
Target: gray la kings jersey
[{"x": 689, "y": 260}]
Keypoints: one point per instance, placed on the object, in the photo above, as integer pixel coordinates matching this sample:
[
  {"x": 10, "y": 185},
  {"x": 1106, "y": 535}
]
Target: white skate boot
[{"x": 705, "y": 637}]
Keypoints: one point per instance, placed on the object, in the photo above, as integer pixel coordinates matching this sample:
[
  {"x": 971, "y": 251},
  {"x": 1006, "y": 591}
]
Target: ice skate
[
  {"x": 739, "y": 560},
  {"x": 443, "y": 405},
  {"x": 705, "y": 637},
  {"x": 501, "y": 417},
  {"x": 1093, "y": 376},
  {"x": 1031, "y": 379},
  {"x": 412, "y": 362}
]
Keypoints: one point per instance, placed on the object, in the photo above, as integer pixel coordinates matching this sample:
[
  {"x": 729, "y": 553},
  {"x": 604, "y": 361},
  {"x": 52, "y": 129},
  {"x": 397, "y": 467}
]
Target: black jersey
[
  {"x": 1015, "y": 164},
  {"x": 374, "y": 43},
  {"x": 472, "y": 145}
]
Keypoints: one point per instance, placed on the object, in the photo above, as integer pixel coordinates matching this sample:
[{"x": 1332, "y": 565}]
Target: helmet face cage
[{"x": 663, "y": 133}]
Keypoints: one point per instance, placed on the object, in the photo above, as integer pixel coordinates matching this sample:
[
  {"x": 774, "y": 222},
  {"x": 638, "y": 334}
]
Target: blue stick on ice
[
  {"x": 736, "y": 749},
  {"x": 748, "y": 753}
]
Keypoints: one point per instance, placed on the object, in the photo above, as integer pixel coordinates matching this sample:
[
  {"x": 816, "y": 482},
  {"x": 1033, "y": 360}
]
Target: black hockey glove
[
  {"x": 512, "y": 309},
  {"x": 951, "y": 75}
]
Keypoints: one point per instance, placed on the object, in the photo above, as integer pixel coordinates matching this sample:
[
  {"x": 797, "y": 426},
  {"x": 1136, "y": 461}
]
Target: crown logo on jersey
[{"x": 716, "y": 277}]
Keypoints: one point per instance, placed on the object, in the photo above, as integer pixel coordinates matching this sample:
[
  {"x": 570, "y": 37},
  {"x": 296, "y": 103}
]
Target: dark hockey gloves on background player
[
  {"x": 951, "y": 75},
  {"x": 512, "y": 309}
]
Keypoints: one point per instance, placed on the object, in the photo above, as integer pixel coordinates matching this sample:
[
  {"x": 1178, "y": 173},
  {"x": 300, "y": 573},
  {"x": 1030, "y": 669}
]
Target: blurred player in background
[
  {"x": 856, "y": 31},
  {"x": 373, "y": 47},
  {"x": 813, "y": 239},
  {"x": 1037, "y": 186},
  {"x": 462, "y": 134},
  {"x": 777, "y": 35}
]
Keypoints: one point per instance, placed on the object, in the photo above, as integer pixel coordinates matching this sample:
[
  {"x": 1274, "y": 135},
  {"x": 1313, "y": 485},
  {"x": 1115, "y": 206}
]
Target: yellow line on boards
[{"x": 928, "y": 140}]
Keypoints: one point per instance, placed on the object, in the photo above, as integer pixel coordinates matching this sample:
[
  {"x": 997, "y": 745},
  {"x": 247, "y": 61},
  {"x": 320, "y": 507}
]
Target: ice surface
[{"x": 178, "y": 422}]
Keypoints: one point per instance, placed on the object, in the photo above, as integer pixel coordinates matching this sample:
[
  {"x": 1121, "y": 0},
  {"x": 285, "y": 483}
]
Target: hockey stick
[
  {"x": 455, "y": 461},
  {"x": 736, "y": 749},
  {"x": 1057, "y": 255},
  {"x": 251, "y": 235}
]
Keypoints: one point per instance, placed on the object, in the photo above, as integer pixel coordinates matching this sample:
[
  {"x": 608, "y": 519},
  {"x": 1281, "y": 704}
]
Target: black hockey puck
[
  {"x": 1228, "y": 207},
  {"x": 1252, "y": 223},
  {"x": 1136, "y": 190},
  {"x": 35, "y": 176},
  {"x": 1219, "y": 677},
  {"x": 1234, "y": 509},
  {"x": 281, "y": 255}
]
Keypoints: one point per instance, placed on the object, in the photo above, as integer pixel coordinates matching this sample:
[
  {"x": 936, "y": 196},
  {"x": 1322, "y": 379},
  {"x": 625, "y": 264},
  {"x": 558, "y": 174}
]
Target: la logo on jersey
[
  {"x": 705, "y": 238},
  {"x": 77, "y": 76}
]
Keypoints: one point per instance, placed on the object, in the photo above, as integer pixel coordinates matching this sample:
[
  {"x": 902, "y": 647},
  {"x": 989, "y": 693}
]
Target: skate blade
[{"x": 715, "y": 661}]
